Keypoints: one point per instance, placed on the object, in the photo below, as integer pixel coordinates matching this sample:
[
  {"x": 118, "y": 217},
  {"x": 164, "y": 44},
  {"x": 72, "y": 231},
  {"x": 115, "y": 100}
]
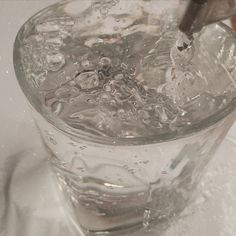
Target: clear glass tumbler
[{"x": 117, "y": 185}]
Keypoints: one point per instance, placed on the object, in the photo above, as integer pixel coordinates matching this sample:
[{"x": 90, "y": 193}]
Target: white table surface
[{"x": 29, "y": 205}]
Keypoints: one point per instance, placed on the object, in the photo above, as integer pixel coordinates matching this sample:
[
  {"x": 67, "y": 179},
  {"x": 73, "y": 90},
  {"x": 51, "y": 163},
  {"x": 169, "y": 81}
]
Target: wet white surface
[{"x": 29, "y": 203}]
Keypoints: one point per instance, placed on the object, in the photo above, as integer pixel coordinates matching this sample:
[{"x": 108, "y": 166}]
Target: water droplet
[{"x": 55, "y": 61}]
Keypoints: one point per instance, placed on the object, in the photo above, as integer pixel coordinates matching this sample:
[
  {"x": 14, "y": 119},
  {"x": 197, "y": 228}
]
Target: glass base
[{"x": 32, "y": 206}]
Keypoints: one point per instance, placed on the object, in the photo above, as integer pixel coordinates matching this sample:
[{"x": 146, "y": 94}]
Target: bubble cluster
[
  {"x": 104, "y": 6},
  {"x": 137, "y": 81}
]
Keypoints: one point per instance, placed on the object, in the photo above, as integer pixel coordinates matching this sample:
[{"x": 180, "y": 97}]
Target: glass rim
[{"x": 61, "y": 126}]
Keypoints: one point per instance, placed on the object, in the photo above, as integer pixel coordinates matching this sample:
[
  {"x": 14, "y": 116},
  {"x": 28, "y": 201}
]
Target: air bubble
[
  {"x": 56, "y": 42},
  {"x": 146, "y": 219},
  {"x": 130, "y": 83},
  {"x": 86, "y": 63},
  {"x": 72, "y": 83},
  {"x": 124, "y": 66},
  {"x": 105, "y": 62},
  {"x": 73, "y": 145},
  {"x": 87, "y": 80},
  {"x": 47, "y": 27},
  {"x": 104, "y": 11},
  {"x": 55, "y": 61},
  {"x": 57, "y": 107},
  {"x": 50, "y": 138},
  {"x": 145, "y": 162},
  {"x": 107, "y": 88},
  {"x": 116, "y": 28},
  {"x": 119, "y": 77}
]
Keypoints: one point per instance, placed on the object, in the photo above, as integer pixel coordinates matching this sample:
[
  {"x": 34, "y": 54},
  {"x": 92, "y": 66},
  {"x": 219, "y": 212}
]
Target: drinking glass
[{"x": 117, "y": 185}]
